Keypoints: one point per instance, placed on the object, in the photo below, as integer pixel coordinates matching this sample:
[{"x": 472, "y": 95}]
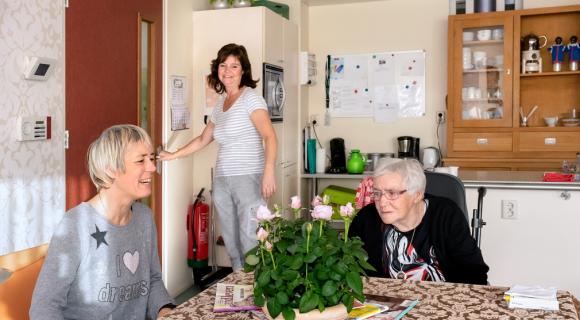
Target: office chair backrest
[{"x": 447, "y": 186}]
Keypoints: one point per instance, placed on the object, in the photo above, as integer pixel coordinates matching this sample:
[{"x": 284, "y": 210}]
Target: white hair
[{"x": 410, "y": 171}]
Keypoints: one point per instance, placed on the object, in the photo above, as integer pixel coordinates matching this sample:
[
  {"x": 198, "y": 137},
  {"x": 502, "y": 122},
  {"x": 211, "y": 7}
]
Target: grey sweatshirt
[{"x": 96, "y": 270}]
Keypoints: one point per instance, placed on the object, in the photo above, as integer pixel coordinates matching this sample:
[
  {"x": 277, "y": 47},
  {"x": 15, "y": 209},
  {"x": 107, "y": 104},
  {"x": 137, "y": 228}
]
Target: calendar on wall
[{"x": 180, "y": 114}]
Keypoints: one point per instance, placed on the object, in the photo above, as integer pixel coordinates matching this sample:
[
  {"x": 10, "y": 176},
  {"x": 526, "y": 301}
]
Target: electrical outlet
[
  {"x": 441, "y": 117},
  {"x": 314, "y": 118},
  {"x": 509, "y": 209}
]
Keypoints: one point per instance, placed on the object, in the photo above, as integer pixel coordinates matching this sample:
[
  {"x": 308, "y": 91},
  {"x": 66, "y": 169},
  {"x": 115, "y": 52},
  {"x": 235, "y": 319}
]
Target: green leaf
[
  {"x": 329, "y": 288},
  {"x": 292, "y": 248},
  {"x": 308, "y": 301},
  {"x": 274, "y": 308},
  {"x": 309, "y": 258},
  {"x": 321, "y": 274},
  {"x": 290, "y": 275},
  {"x": 282, "y": 298},
  {"x": 264, "y": 278},
  {"x": 340, "y": 268},
  {"x": 367, "y": 265},
  {"x": 252, "y": 259},
  {"x": 259, "y": 300},
  {"x": 354, "y": 281},
  {"x": 348, "y": 301},
  {"x": 296, "y": 262},
  {"x": 288, "y": 314},
  {"x": 275, "y": 275},
  {"x": 335, "y": 276}
]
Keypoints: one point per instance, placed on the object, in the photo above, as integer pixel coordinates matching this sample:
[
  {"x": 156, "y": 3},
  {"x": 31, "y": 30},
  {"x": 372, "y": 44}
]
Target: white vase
[
  {"x": 242, "y": 3},
  {"x": 337, "y": 312},
  {"x": 220, "y": 4}
]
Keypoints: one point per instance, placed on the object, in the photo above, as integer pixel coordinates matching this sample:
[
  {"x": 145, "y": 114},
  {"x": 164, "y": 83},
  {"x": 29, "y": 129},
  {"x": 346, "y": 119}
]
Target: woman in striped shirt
[{"x": 244, "y": 174}]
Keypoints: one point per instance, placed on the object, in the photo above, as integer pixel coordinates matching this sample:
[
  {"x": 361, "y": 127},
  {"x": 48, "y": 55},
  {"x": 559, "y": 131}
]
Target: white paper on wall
[{"x": 386, "y": 86}]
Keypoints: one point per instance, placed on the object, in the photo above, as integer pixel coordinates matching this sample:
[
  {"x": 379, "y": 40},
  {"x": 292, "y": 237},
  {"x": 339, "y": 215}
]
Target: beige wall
[
  {"x": 378, "y": 27},
  {"x": 385, "y": 26}
]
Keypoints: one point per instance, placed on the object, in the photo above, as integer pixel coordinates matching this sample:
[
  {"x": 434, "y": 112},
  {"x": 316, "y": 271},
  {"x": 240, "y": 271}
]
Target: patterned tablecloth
[{"x": 436, "y": 301}]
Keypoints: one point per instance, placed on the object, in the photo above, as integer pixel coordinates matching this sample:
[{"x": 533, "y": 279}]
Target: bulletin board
[{"x": 385, "y": 86}]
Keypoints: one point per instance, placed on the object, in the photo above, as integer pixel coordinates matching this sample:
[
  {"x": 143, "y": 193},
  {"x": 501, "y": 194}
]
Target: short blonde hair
[
  {"x": 409, "y": 169},
  {"x": 106, "y": 154}
]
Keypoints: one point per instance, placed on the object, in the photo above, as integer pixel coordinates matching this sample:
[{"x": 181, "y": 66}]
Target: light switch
[{"x": 33, "y": 128}]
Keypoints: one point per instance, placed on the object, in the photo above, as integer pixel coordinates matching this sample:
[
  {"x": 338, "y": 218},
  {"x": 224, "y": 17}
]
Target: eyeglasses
[{"x": 389, "y": 194}]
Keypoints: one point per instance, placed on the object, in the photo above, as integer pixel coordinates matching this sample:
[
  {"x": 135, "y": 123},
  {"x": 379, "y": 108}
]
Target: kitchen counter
[{"x": 512, "y": 180}]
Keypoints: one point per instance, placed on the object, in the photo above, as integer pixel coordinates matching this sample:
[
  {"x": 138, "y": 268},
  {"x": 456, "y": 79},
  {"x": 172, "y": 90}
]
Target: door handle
[{"x": 158, "y": 165}]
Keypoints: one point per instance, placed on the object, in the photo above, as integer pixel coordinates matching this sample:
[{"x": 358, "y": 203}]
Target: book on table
[
  {"x": 381, "y": 307},
  {"x": 234, "y": 297}
]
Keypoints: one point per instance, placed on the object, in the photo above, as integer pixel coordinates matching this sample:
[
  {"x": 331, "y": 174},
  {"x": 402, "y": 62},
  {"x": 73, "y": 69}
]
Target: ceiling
[{"x": 331, "y": 2}]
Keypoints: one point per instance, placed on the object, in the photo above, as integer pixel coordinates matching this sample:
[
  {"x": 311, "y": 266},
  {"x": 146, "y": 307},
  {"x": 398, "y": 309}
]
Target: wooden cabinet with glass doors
[{"x": 488, "y": 94}]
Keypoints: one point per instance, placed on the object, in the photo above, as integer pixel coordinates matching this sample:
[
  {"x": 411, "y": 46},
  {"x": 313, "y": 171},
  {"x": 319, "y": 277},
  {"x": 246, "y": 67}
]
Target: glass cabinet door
[{"x": 482, "y": 73}]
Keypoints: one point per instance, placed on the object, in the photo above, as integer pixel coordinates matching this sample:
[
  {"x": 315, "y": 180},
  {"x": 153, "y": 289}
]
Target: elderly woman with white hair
[
  {"x": 411, "y": 235},
  {"x": 102, "y": 262}
]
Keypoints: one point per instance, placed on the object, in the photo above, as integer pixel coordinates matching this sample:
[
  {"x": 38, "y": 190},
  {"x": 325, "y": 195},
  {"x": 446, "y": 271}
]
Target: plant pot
[
  {"x": 337, "y": 312},
  {"x": 220, "y": 4}
]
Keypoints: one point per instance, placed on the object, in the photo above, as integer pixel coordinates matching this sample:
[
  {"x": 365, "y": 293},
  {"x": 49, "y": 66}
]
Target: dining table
[{"x": 437, "y": 300}]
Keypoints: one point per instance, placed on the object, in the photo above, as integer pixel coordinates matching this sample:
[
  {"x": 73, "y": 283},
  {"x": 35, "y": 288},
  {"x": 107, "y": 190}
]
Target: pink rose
[
  {"x": 264, "y": 213},
  {"x": 316, "y": 201},
  {"x": 268, "y": 246},
  {"x": 322, "y": 212},
  {"x": 295, "y": 203},
  {"x": 346, "y": 211},
  {"x": 262, "y": 234}
]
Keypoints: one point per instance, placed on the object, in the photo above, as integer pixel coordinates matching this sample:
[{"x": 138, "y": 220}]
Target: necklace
[{"x": 401, "y": 274}]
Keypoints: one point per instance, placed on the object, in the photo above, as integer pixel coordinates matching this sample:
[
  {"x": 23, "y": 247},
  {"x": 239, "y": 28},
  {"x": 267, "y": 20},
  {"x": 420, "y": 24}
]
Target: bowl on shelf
[
  {"x": 570, "y": 122},
  {"x": 551, "y": 121}
]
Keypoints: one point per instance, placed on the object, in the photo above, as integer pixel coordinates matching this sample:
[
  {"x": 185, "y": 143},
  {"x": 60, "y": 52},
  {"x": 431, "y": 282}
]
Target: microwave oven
[{"x": 274, "y": 91}]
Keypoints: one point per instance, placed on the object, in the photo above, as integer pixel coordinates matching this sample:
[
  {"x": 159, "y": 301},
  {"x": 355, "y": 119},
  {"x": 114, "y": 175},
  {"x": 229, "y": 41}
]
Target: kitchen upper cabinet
[{"x": 488, "y": 94}]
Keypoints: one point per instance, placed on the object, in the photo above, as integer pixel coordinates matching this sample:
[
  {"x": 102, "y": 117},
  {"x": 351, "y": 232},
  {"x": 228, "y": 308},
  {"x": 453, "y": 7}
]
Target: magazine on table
[
  {"x": 381, "y": 307},
  {"x": 234, "y": 297}
]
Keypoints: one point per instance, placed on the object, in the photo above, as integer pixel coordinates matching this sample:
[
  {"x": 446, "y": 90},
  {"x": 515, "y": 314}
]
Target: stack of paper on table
[
  {"x": 381, "y": 307},
  {"x": 234, "y": 297},
  {"x": 532, "y": 297}
]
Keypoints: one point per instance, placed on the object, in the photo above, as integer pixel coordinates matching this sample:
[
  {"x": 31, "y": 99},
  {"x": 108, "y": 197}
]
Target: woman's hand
[
  {"x": 268, "y": 184},
  {"x": 163, "y": 312},
  {"x": 166, "y": 156}
]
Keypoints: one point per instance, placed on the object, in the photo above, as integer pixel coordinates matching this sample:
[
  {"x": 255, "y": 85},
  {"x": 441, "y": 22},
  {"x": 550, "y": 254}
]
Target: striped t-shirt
[{"x": 240, "y": 145}]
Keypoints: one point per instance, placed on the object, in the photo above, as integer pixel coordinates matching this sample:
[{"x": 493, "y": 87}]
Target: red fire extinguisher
[{"x": 198, "y": 232}]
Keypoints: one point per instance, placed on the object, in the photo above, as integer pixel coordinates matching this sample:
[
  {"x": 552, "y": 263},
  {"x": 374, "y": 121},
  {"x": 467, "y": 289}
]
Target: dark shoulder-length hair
[{"x": 241, "y": 54}]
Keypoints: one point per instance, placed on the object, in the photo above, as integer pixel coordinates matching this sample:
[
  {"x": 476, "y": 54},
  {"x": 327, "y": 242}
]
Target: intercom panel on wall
[{"x": 33, "y": 128}]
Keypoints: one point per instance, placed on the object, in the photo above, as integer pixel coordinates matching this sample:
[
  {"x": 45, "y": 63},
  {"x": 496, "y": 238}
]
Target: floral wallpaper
[{"x": 32, "y": 173}]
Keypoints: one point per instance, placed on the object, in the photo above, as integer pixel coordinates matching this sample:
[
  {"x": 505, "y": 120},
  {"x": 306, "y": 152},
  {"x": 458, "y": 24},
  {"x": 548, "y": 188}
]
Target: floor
[{"x": 202, "y": 280}]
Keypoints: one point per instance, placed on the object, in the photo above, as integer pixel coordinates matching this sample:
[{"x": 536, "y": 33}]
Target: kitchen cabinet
[
  {"x": 269, "y": 38},
  {"x": 487, "y": 92}
]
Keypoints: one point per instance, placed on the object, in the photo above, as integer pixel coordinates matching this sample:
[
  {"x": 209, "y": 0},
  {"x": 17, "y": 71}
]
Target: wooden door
[{"x": 102, "y": 81}]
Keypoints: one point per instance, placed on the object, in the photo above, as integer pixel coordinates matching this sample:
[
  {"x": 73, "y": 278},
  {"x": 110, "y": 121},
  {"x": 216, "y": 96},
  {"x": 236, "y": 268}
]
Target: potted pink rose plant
[{"x": 303, "y": 266}]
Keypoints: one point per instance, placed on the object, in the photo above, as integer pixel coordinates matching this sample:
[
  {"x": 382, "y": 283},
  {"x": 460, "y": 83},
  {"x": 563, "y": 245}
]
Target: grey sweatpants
[{"x": 236, "y": 199}]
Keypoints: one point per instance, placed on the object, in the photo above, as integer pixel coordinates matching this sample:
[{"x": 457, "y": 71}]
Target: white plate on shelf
[{"x": 570, "y": 122}]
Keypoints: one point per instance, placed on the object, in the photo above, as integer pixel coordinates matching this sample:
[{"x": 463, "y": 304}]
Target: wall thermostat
[
  {"x": 33, "y": 128},
  {"x": 39, "y": 68}
]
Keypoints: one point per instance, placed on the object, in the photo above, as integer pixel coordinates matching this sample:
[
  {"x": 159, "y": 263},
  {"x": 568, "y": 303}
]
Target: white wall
[
  {"x": 178, "y": 185},
  {"x": 540, "y": 247},
  {"x": 32, "y": 182}
]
